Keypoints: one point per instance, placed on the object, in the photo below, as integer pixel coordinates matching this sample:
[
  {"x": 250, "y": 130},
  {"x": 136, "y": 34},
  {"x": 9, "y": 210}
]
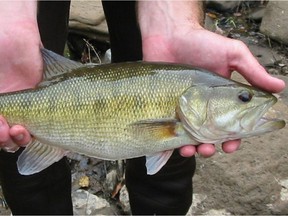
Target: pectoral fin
[
  {"x": 154, "y": 130},
  {"x": 155, "y": 162},
  {"x": 37, "y": 156}
]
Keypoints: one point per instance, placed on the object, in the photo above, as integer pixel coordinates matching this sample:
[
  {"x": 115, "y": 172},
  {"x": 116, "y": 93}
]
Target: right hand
[{"x": 21, "y": 67}]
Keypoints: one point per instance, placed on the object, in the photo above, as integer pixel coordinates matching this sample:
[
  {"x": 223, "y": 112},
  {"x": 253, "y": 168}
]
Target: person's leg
[
  {"x": 47, "y": 192},
  {"x": 53, "y": 17},
  {"x": 170, "y": 190},
  {"x": 125, "y": 37},
  {"x": 167, "y": 192}
]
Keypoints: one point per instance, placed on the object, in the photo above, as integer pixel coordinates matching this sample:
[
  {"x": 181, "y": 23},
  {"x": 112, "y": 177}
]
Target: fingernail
[{"x": 19, "y": 137}]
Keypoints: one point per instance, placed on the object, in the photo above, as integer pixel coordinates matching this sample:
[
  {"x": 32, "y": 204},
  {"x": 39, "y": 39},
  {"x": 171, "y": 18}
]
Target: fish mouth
[
  {"x": 267, "y": 125},
  {"x": 269, "y": 120}
]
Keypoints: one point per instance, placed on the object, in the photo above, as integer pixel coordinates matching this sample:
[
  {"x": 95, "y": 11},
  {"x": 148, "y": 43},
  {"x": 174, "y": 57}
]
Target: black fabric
[
  {"x": 44, "y": 193},
  {"x": 167, "y": 192},
  {"x": 48, "y": 192},
  {"x": 170, "y": 190},
  {"x": 53, "y": 17},
  {"x": 125, "y": 37}
]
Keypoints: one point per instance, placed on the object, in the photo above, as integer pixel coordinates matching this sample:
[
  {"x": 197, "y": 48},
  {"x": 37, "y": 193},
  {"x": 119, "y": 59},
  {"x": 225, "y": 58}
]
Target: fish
[{"x": 127, "y": 110}]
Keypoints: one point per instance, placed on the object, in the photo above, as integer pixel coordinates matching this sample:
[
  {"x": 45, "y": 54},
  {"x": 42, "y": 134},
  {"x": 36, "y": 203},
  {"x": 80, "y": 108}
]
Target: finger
[
  {"x": 231, "y": 146},
  {"x": 206, "y": 150},
  {"x": 243, "y": 61},
  {"x": 187, "y": 151},
  {"x": 4, "y": 132},
  {"x": 20, "y": 135},
  {"x": 6, "y": 142}
]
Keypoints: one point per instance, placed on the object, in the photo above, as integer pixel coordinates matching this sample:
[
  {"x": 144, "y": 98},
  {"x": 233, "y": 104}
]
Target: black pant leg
[
  {"x": 53, "y": 17},
  {"x": 168, "y": 192},
  {"x": 125, "y": 37},
  {"x": 47, "y": 192}
]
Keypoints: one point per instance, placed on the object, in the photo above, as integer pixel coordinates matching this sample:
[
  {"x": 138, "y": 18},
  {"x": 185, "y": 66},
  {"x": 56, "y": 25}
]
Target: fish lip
[
  {"x": 273, "y": 123},
  {"x": 267, "y": 124}
]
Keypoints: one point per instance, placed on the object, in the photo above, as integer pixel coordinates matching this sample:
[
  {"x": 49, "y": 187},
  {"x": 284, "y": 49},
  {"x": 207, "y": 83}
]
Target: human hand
[
  {"x": 189, "y": 43},
  {"x": 21, "y": 61}
]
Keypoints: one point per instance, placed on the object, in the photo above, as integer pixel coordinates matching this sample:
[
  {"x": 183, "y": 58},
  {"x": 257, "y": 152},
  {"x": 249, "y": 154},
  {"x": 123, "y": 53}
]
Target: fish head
[{"x": 215, "y": 114}]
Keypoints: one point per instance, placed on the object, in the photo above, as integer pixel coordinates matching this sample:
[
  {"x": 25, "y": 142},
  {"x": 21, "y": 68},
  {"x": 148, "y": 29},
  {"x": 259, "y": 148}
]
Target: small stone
[
  {"x": 257, "y": 13},
  {"x": 284, "y": 190},
  {"x": 217, "y": 212},
  {"x": 275, "y": 19},
  {"x": 111, "y": 180},
  {"x": 197, "y": 199},
  {"x": 85, "y": 203},
  {"x": 124, "y": 200},
  {"x": 84, "y": 182}
]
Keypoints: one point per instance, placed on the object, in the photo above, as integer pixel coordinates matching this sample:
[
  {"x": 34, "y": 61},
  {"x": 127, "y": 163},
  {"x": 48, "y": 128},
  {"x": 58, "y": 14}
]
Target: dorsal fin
[{"x": 55, "y": 64}]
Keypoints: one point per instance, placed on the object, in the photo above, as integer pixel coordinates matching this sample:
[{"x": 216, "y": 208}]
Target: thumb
[{"x": 243, "y": 61}]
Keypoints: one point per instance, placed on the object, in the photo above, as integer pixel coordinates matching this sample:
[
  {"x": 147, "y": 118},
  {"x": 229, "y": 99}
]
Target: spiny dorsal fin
[
  {"x": 37, "y": 157},
  {"x": 55, "y": 64}
]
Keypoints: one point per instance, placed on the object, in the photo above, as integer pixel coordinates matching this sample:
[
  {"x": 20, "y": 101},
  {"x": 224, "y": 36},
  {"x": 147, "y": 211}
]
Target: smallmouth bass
[{"x": 127, "y": 110}]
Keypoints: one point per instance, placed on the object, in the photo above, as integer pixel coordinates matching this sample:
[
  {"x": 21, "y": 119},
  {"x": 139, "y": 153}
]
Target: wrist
[
  {"x": 13, "y": 11},
  {"x": 165, "y": 18},
  {"x": 163, "y": 22}
]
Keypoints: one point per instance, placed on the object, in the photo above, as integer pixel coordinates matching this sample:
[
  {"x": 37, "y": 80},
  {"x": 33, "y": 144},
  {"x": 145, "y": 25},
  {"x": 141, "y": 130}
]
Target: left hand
[{"x": 205, "y": 49}]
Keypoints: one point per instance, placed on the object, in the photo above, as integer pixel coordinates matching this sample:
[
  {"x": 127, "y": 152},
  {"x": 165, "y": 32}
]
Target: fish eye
[{"x": 245, "y": 96}]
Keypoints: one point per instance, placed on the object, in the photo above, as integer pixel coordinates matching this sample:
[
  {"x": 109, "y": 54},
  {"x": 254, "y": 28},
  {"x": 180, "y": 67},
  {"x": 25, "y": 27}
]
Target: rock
[
  {"x": 85, "y": 203},
  {"x": 124, "y": 200},
  {"x": 83, "y": 160},
  {"x": 222, "y": 6},
  {"x": 274, "y": 22},
  {"x": 87, "y": 18},
  {"x": 87, "y": 12},
  {"x": 196, "y": 201},
  {"x": 111, "y": 180},
  {"x": 217, "y": 212},
  {"x": 84, "y": 182},
  {"x": 257, "y": 13},
  {"x": 284, "y": 190},
  {"x": 107, "y": 57}
]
